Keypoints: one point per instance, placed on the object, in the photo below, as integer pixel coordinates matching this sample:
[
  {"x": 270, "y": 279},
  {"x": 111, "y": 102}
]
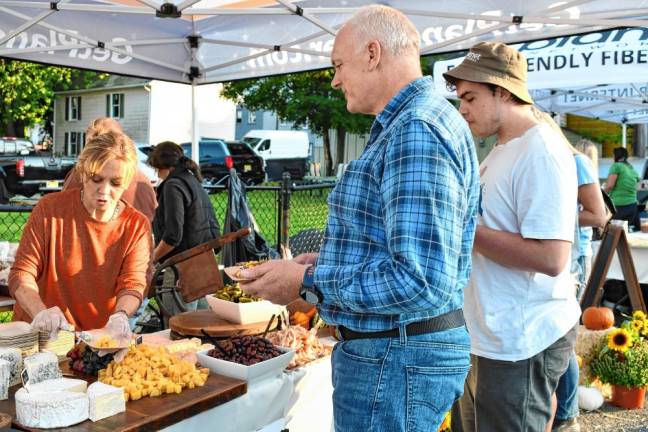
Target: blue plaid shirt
[{"x": 401, "y": 219}]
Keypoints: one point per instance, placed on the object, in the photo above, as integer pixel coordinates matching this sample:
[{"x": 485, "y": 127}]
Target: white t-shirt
[{"x": 528, "y": 186}]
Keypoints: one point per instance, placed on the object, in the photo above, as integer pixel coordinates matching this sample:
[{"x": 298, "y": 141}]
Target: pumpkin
[
  {"x": 589, "y": 398},
  {"x": 598, "y": 318}
]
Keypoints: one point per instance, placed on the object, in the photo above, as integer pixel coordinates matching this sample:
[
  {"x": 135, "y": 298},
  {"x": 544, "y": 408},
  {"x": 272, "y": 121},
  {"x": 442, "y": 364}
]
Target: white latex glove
[
  {"x": 119, "y": 327},
  {"x": 51, "y": 321}
]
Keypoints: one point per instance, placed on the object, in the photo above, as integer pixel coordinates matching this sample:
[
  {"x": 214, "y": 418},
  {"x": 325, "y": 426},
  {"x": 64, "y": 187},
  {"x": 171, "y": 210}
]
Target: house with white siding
[{"x": 150, "y": 111}]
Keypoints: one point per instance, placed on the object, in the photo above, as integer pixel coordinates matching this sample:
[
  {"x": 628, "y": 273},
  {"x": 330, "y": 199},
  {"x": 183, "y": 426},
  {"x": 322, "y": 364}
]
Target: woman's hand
[
  {"x": 51, "y": 321},
  {"x": 119, "y": 327}
]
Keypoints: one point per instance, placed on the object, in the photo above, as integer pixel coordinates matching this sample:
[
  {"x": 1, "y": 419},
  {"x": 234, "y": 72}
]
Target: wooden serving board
[
  {"x": 191, "y": 323},
  {"x": 149, "y": 413}
]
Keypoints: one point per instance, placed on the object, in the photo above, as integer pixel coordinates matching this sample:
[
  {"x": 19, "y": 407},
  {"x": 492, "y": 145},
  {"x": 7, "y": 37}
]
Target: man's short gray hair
[{"x": 395, "y": 32}]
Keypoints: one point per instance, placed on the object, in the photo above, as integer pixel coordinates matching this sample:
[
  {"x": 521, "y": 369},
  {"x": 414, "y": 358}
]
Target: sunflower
[
  {"x": 619, "y": 340},
  {"x": 637, "y": 325},
  {"x": 638, "y": 315}
]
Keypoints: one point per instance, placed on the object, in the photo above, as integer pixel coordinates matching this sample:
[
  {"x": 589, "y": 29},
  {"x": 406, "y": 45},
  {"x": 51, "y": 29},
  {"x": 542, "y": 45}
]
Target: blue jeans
[
  {"x": 398, "y": 384},
  {"x": 567, "y": 391}
]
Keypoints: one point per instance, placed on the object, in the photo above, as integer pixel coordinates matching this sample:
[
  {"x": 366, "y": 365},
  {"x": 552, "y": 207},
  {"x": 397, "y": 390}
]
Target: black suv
[
  {"x": 248, "y": 164},
  {"x": 216, "y": 158}
]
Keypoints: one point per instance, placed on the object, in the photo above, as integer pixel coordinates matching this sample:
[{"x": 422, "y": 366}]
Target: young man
[
  {"x": 396, "y": 255},
  {"x": 520, "y": 306}
]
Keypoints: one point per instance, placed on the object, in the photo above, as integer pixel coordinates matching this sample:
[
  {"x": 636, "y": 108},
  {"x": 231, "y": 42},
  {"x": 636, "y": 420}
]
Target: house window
[
  {"x": 251, "y": 117},
  {"x": 239, "y": 116},
  {"x": 72, "y": 108},
  {"x": 74, "y": 143},
  {"x": 115, "y": 105}
]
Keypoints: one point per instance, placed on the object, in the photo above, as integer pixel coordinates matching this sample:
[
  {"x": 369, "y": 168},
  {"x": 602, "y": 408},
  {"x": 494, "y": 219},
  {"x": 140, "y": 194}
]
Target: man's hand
[
  {"x": 51, "y": 321},
  {"x": 307, "y": 258},
  {"x": 277, "y": 281}
]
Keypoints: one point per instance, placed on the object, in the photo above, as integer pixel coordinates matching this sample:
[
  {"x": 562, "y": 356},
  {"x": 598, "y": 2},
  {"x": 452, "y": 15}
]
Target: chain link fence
[{"x": 306, "y": 210}]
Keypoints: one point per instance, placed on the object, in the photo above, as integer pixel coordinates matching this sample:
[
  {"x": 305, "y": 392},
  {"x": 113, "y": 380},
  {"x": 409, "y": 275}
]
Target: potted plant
[{"x": 620, "y": 358}]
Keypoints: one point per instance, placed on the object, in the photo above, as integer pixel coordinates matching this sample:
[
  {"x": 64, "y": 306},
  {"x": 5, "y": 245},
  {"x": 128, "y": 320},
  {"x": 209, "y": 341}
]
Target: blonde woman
[
  {"x": 140, "y": 193},
  {"x": 84, "y": 253}
]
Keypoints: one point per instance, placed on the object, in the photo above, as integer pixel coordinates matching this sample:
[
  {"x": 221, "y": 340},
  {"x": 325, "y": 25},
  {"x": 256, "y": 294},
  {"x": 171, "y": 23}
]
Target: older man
[{"x": 396, "y": 255}]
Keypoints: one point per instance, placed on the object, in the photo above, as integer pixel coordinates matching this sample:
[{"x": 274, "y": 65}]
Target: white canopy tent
[
  {"x": 208, "y": 41},
  {"x": 601, "y": 75}
]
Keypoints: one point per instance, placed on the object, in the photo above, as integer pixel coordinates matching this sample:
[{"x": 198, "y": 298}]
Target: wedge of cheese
[
  {"x": 42, "y": 367},
  {"x": 5, "y": 379},
  {"x": 51, "y": 410},
  {"x": 13, "y": 356},
  {"x": 105, "y": 401}
]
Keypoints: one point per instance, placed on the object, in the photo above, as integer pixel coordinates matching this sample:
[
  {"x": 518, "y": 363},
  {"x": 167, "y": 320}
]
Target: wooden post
[{"x": 614, "y": 239}]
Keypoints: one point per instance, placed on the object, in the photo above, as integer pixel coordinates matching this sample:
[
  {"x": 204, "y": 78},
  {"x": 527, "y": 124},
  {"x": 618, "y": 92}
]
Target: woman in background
[
  {"x": 621, "y": 185},
  {"x": 185, "y": 216}
]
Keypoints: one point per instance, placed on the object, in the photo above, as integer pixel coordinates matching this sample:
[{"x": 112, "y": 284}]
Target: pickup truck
[{"x": 30, "y": 174}]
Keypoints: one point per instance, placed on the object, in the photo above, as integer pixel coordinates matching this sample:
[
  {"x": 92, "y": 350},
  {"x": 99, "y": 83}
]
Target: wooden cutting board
[
  {"x": 149, "y": 413},
  {"x": 190, "y": 324}
]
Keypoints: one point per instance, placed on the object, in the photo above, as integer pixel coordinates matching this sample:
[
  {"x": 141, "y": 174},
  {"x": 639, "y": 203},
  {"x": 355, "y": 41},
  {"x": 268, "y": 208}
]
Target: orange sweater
[{"x": 80, "y": 264}]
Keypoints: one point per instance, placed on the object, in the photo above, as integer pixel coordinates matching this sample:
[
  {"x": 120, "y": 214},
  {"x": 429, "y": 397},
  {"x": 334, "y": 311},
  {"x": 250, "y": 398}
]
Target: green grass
[{"x": 308, "y": 210}]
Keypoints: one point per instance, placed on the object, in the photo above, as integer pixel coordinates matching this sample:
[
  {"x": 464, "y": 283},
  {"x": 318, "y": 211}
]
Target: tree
[
  {"x": 306, "y": 99},
  {"x": 27, "y": 92}
]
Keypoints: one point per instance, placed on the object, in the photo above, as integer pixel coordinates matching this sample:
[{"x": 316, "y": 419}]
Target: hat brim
[{"x": 466, "y": 72}]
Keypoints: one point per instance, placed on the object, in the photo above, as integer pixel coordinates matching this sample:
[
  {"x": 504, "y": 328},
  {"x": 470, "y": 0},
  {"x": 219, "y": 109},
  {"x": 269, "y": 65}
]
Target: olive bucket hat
[{"x": 494, "y": 63}]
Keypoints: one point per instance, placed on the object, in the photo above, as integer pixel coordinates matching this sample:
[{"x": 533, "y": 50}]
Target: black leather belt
[{"x": 446, "y": 321}]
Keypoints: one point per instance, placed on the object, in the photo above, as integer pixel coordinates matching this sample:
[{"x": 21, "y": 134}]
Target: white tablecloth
[
  {"x": 639, "y": 247},
  {"x": 300, "y": 400}
]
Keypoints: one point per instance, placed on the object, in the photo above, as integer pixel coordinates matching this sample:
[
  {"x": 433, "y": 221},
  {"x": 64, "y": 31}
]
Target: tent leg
[{"x": 194, "y": 125}]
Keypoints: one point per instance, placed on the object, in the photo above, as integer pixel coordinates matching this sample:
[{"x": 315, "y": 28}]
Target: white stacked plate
[{"x": 20, "y": 335}]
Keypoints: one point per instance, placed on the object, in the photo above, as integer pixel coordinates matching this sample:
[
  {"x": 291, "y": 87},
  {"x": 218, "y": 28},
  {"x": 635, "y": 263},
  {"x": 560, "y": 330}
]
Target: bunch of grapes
[{"x": 86, "y": 361}]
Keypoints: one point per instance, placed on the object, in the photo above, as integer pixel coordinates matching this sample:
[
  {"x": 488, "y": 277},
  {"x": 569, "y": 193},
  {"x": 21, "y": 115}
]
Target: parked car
[
  {"x": 215, "y": 160},
  {"x": 282, "y": 150},
  {"x": 248, "y": 164},
  {"x": 143, "y": 151},
  {"x": 28, "y": 175},
  {"x": 12, "y": 146}
]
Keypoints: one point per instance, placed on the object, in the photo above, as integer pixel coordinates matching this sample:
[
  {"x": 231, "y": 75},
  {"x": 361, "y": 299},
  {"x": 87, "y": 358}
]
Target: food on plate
[
  {"x": 305, "y": 343},
  {"x": 245, "y": 350},
  {"x": 152, "y": 371},
  {"x": 232, "y": 292},
  {"x": 234, "y": 272},
  {"x": 106, "y": 342}
]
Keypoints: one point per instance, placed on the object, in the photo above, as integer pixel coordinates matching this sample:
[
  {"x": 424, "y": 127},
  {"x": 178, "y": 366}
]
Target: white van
[{"x": 282, "y": 150}]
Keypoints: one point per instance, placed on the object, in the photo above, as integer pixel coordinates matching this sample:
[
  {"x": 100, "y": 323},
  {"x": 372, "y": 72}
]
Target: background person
[
  {"x": 396, "y": 254},
  {"x": 84, "y": 253},
  {"x": 140, "y": 193},
  {"x": 520, "y": 306},
  {"x": 621, "y": 185},
  {"x": 184, "y": 217}
]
